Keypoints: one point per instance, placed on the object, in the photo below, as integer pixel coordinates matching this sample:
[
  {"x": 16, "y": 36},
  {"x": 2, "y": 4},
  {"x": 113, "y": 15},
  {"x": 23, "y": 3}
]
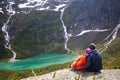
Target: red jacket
[{"x": 79, "y": 62}]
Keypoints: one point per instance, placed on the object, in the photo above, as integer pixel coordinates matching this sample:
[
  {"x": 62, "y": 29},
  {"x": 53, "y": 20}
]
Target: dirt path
[{"x": 68, "y": 74}]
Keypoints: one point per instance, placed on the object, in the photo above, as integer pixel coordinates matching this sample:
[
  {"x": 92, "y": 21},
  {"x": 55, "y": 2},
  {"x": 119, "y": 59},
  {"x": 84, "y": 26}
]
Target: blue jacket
[{"x": 94, "y": 62}]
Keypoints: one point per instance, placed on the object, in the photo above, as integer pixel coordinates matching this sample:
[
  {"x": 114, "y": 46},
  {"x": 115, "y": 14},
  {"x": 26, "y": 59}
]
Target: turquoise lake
[{"x": 39, "y": 61}]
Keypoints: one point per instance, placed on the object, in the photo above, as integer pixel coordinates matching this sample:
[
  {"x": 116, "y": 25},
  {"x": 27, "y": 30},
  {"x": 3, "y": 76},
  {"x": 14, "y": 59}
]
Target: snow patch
[
  {"x": 1, "y": 11},
  {"x": 44, "y": 4},
  {"x": 59, "y": 7},
  {"x": 33, "y": 3},
  {"x": 87, "y": 31}
]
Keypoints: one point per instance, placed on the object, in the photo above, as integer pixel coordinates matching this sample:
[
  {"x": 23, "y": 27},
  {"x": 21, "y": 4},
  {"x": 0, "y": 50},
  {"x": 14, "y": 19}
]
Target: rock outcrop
[{"x": 68, "y": 74}]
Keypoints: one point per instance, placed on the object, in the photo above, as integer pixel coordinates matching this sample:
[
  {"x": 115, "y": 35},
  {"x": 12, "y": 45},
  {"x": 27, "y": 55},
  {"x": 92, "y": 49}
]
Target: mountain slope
[
  {"x": 88, "y": 15},
  {"x": 94, "y": 14},
  {"x": 36, "y": 32},
  {"x": 51, "y": 25}
]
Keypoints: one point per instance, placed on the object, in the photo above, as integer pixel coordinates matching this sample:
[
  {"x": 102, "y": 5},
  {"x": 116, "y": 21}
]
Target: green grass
[
  {"x": 17, "y": 75},
  {"x": 111, "y": 57}
]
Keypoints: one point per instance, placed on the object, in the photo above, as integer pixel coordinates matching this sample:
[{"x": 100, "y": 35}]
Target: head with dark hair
[{"x": 92, "y": 46}]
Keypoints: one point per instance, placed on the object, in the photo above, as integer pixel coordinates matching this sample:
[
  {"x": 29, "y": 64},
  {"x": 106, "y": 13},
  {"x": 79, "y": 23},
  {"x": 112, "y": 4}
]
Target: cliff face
[
  {"x": 37, "y": 28},
  {"x": 85, "y": 14}
]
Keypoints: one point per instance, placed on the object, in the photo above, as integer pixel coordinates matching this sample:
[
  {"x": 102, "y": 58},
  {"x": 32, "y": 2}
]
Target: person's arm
[{"x": 88, "y": 64}]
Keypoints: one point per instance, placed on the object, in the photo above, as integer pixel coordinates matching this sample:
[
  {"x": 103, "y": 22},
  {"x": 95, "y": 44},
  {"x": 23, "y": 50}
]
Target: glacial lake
[{"x": 38, "y": 61}]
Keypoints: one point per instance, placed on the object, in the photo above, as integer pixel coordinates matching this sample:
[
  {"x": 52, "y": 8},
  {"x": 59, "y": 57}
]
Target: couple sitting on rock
[{"x": 90, "y": 61}]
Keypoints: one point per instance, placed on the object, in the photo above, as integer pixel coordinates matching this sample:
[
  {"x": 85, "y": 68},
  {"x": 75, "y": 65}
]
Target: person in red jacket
[{"x": 81, "y": 61}]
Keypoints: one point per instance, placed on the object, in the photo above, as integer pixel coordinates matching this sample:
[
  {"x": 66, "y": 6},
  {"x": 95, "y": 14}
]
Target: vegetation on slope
[
  {"x": 36, "y": 32},
  {"x": 111, "y": 57},
  {"x": 17, "y": 75}
]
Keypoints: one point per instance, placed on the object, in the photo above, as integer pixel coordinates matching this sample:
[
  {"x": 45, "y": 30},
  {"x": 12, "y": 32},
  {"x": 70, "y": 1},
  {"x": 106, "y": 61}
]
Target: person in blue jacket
[{"x": 94, "y": 60}]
